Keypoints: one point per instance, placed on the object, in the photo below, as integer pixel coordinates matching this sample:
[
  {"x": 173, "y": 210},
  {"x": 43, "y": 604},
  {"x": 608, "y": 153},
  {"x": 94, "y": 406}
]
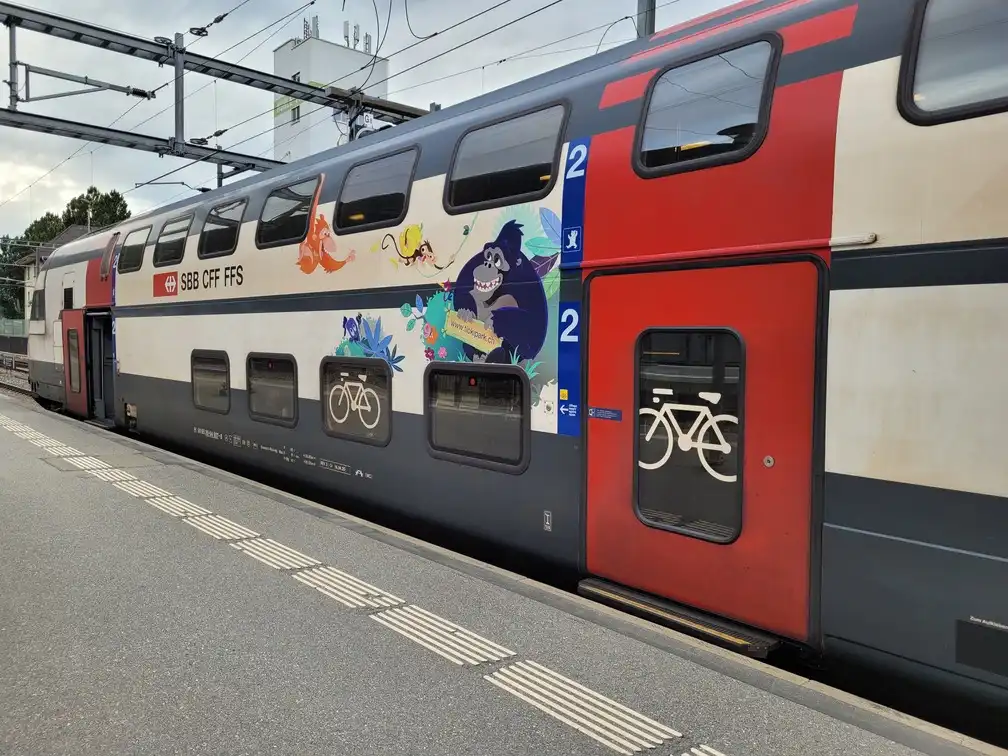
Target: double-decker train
[{"x": 716, "y": 318}]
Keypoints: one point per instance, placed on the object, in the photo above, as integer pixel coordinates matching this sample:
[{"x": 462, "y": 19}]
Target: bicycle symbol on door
[
  {"x": 354, "y": 396},
  {"x": 694, "y": 438}
]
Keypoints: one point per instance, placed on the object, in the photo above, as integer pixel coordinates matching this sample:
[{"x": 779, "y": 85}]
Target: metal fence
[
  {"x": 12, "y": 327},
  {"x": 14, "y": 370}
]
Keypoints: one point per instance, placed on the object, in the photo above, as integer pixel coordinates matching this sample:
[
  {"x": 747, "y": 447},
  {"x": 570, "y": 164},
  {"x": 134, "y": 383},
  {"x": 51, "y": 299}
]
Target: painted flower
[
  {"x": 442, "y": 353},
  {"x": 429, "y": 353}
]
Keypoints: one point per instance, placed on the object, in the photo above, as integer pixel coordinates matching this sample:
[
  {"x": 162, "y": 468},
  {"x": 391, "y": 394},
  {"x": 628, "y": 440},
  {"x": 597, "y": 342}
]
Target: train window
[
  {"x": 38, "y": 305},
  {"x": 478, "y": 414},
  {"x": 73, "y": 360},
  {"x": 960, "y": 67},
  {"x": 68, "y": 298},
  {"x": 170, "y": 246},
  {"x": 211, "y": 381},
  {"x": 284, "y": 217},
  {"x": 506, "y": 161},
  {"x": 272, "y": 389},
  {"x": 220, "y": 230},
  {"x": 689, "y": 433},
  {"x": 106, "y": 259},
  {"x": 357, "y": 399},
  {"x": 375, "y": 193},
  {"x": 132, "y": 252},
  {"x": 708, "y": 112}
]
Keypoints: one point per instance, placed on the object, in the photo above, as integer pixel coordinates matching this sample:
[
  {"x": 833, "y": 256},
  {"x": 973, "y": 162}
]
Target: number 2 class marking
[
  {"x": 576, "y": 160},
  {"x": 569, "y": 317}
]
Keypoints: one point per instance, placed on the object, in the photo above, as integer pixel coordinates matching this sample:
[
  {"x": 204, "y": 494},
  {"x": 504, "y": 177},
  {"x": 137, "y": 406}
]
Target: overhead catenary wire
[{"x": 128, "y": 110}]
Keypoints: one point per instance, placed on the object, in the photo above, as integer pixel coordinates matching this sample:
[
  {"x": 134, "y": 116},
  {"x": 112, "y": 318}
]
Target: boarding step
[{"x": 715, "y": 630}]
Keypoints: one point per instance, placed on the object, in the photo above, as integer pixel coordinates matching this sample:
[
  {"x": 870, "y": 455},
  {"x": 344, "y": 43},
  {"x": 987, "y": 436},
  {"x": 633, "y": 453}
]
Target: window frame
[
  {"x": 324, "y": 401},
  {"x": 469, "y": 368},
  {"x": 762, "y": 127},
  {"x": 740, "y": 481},
  {"x": 338, "y": 231},
  {"x": 148, "y": 228},
  {"x": 200, "y": 255},
  {"x": 105, "y": 266},
  {"x": 209, "y": 354},
  {"x": 185, "y": 243},
  {"x": 318, "y": 178},
  {"x": 908, "y": 75},
  {"x": 74, "y": 360},
  {"x": 518, "y": 199},
  {"x": 291, "y": 423}
]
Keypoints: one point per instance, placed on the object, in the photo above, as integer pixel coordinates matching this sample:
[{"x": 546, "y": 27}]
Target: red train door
[
  {"x": 74, "y": 361},
  {"x": 701, "y": 385}
]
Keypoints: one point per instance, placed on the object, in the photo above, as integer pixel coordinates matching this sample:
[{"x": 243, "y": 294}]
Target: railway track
[{"x": 14, "y": 372}]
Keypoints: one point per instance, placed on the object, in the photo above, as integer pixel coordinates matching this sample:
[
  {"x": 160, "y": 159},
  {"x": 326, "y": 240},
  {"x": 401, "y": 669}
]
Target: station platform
[{"x": 152, "y": 604}]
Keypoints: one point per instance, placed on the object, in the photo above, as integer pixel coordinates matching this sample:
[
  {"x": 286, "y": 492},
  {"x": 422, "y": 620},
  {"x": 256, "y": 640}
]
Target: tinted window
[
  {"x": 74, "y": 358},
  {"x": 132, "y": 252},
  {"x": 689, "y": 385},
  {"x": 963, "y": 55},
  {"x": 170, "y": 247},
  {"x": 272, "y": 388},
  {"x": 38, "y": 305},
  {"x": 68, "y": 298},
  {"x": 284, "y": 218},
  {"x": 220, "y": 231},
  {"x": 707, "y": 109},
  {"x": 476, "y": 414},
  {"x": 211, "y": 382},
  {"x": 508, "y": 159},
  {"x": 357, "y": 399},
  {"x": 376, "y": 192}
]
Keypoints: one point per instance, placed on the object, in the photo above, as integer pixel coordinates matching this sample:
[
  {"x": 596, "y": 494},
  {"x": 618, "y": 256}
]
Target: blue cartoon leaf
[
  {"x": 419, "y": 303},
  {"x": 550, "y": 224},
  {"x": 543, "y": 264}
]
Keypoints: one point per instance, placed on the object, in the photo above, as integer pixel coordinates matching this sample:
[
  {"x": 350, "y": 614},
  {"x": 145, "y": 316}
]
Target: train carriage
[{"x": 714, "y": 318}]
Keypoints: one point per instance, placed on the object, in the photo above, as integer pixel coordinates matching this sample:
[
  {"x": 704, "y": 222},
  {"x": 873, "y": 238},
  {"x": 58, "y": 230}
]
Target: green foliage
[{"x": 106, "y": 208}]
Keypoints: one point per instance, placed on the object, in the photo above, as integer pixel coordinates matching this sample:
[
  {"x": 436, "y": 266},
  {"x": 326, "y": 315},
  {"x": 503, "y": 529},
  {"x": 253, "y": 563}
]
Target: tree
[{"x": 106, "y": 208}]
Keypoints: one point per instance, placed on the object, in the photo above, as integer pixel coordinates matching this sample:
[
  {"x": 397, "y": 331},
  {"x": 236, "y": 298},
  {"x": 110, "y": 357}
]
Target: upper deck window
[
  {"x": 961, "y": 62},
  {"x": 284, "y": 218},
  {"x": 509, "y": 161},
  {"x": 132, "y": 252},
  {"x": 374, "y": 193},
  {"x": 220, "y": 231},
  {"x": 707, "y": 112},
  {"x": 170, "y": 247}
]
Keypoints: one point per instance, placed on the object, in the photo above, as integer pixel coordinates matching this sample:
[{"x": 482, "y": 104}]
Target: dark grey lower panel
[
  {"x": 47, "y": 378},
  {"x": 14, "y": 344},
  {"x": 918, "y": 573},
  {"x": 402, "y": 477}
]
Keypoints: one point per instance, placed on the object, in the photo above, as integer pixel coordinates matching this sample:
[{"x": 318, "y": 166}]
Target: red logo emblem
[{"x": 166, "y": 284}]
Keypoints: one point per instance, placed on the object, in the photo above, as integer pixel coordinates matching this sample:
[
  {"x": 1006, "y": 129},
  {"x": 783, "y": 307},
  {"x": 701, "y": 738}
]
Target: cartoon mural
[
  {"x": 363, "y": 337},
  {"x": 414, "y": 250},
  {"x": 319, "y": 247}
]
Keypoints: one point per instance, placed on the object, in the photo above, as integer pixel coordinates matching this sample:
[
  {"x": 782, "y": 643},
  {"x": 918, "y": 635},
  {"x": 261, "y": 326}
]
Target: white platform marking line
[
  {"x": 112, "y": 475},
  {"x": 88, "y": 463},
  {"x": 177, "y": 507},
  {"x": 220, "y": 528},
  {"x": 346, "y": 589},
  {"x": 610, "y": 723},
  {"x": 64, "y": 451},
  {"x": 275, "y": 554},
  {"x": 455, "y": 643},
  {"x": 703, "y": 750},
  {"x": 141, "y": 489}
]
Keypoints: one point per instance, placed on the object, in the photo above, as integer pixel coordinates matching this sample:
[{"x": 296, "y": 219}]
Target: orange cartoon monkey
[{"x": 319, "y": 247}]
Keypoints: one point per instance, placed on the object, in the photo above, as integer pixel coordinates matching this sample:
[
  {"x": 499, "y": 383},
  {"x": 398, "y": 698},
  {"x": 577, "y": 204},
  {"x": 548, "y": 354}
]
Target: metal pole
[
  {"x": 13, "y": 68},
  {"x": 645, "y": 18},
  {"x": 179, "y": 91},
  {"x": 220, "y": 175}
]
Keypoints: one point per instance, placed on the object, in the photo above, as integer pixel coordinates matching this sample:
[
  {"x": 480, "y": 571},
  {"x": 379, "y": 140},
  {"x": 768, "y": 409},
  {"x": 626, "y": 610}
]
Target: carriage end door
[
  {"x": 75, "y": 362},
  {"x": 699, "y": 422}
]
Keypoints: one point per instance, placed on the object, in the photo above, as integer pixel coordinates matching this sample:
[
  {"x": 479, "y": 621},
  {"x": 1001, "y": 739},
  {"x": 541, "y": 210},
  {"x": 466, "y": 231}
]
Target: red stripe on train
[
  {"x": 706, "y": 17},
  {"x": 828, "y": 27},
  {"x": 626, "y": 90}
]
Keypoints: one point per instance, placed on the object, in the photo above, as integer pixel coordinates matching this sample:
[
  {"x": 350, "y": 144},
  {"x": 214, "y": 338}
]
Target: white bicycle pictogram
[
  {"x": 354, "y": 396},
  {"x": 693, "y": 439}
]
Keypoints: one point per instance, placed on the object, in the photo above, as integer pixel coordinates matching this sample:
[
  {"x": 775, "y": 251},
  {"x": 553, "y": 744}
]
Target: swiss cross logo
[{"x": 166, "y": 284}]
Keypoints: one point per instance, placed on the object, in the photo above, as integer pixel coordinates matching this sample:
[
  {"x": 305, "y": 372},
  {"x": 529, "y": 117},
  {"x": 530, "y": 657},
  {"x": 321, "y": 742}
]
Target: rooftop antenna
[
  {"x": 314, "y": 26},
  {"x": 346, "y": 32},
  {"x": 367, "y": 44},
  {"x": 356, "y": 35},
  {"x": 307, "y": 29}
]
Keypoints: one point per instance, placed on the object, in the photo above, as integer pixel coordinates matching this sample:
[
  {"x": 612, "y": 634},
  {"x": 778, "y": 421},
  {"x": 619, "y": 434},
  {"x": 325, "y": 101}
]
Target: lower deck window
[
  {"x": 357, "y": 399},
  {"x": 689, "y": 439},
  {"x": 211, "y": 382},
  {"x": 477, "y": 414},
  {"x": 272, "y": 389}
]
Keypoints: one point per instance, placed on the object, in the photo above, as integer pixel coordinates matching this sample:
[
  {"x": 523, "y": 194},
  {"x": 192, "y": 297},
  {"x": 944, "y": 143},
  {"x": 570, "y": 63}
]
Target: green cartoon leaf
[
  {"x": 410, "y": 325},
  {"x": 551, "y": 283}
]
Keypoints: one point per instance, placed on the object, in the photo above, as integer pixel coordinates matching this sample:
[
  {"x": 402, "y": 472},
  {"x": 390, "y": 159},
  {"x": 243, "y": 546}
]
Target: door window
[
  {"x": 689, "y": 439},
  {"x": 74, "y": 358}
]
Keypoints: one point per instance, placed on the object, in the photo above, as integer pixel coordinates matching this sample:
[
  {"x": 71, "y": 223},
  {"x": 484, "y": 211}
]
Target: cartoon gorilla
[{"x": 499, "y": 287}]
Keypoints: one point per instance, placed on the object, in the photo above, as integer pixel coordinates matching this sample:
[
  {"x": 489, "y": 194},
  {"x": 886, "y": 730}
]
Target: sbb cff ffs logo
[{"x": 170, "y": 284}]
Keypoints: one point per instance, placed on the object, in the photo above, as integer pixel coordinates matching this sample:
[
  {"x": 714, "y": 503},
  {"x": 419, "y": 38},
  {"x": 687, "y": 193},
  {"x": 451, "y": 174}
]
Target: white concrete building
[{"x": 301, "y": 128}]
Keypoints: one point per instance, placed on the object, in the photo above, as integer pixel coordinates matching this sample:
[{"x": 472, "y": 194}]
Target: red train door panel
[
  {"x": 699, "y": 438},
  {"x": 74, "y": 362}
]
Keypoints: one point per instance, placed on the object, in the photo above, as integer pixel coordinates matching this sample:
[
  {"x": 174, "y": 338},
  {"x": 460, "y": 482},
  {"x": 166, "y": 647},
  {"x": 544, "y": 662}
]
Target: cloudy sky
[{"x": 26, "y": 156}]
